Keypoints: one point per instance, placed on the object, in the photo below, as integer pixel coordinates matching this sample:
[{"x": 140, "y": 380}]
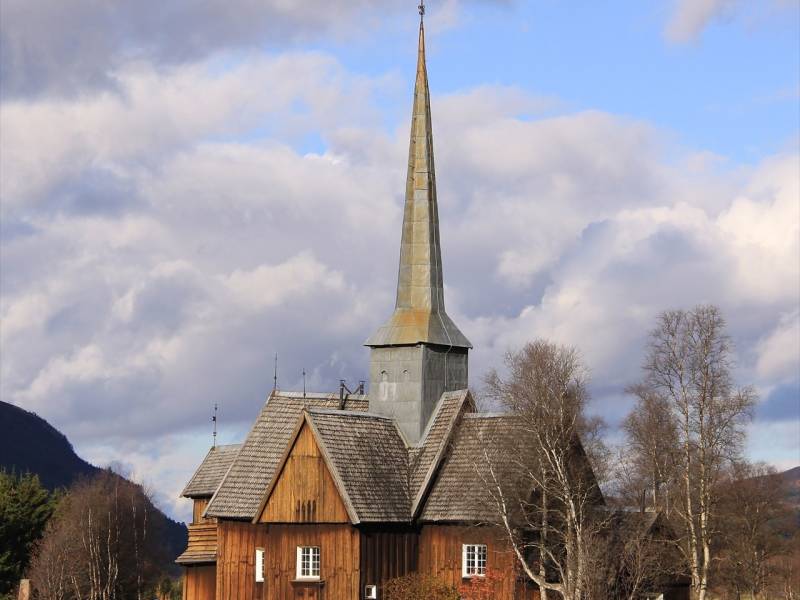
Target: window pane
[
  {"x": 475, "y": 559},
  {"x": 309, "y": 561},
  {"x": 315, "y": 562},
  {"x": 481, "y": 560}
]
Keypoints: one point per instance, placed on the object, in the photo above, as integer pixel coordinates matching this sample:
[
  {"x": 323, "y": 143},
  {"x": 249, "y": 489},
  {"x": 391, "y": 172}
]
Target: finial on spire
[{"x": 421, "y": 8}]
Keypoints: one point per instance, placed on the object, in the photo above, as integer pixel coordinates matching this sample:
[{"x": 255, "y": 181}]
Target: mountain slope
[
  {"x": 28, "y": 443},
  {"x": 792, "y": 482}
]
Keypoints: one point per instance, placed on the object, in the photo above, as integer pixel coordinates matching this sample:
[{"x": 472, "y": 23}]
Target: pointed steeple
[{"x": 419, "y": 315}]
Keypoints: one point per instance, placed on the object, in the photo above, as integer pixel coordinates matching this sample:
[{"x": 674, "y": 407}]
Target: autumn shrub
[
  {"x": 480, "y": 588},
  {"x": 416, "y": 586}
]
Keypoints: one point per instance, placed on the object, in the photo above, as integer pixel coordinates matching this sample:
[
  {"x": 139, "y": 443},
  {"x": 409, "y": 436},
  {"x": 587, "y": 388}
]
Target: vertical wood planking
[
  {"x": 440, "y": 556},
  {"x": 386, "y": 553},
  {"x": 198, "y": 507},
  {"x": 339, "y": 554},
  {"x": 305, "y": 491},
  {"x": 199, "y": 582}
]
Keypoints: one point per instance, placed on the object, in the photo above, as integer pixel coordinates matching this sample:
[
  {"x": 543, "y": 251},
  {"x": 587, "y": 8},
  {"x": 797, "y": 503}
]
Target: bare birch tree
[
  {"x": 758, "y": 527},
  {"x": 688, "y": 370},
  {"x": 651, "y": 440},
  {"x": 102, "y": 544},
  {"x": 538, "y": 475}
]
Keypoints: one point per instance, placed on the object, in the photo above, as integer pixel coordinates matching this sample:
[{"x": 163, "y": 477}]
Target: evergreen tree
[{"x": 25, "y": 507}]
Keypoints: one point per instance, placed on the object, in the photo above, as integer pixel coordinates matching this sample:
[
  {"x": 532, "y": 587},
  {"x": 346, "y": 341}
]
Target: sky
[{"x": 188, "y": 188}]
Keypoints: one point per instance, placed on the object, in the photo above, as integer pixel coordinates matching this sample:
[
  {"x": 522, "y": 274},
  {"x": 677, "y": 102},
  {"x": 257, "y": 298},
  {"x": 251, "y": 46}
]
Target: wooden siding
[
  {"x": 305, "y": 491},
  {"x": 339, "y": 561},
  {"x": 198, "y": 508},
  {"x": 199, "y": 582},
  {"x": 236, "y": 544},
  {"x": 440, "y": 548},
  {"x": 387, "y": 552}
]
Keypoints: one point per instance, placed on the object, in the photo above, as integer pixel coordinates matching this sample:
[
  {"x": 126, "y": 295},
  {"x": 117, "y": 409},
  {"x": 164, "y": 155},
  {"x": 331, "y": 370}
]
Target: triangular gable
[
  {"x": 241, "y": 491},
  {"x": 370, "y": 458},
  {"x": 305, "y": 488},
  {"x": 445, "y": 422}
]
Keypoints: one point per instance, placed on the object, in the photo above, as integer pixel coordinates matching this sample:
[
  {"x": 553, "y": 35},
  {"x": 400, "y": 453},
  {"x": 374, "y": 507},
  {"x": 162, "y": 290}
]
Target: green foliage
[
  {"x": 25, "y": 507},
  {"x": 168, "y": 589},
  {"x": 416, "y": 586}
]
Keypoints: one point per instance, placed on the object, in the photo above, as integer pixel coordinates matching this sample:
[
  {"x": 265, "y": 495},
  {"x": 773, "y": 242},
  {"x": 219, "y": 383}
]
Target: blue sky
[
  {"x": 187, "y": 190},
  {"x": 731, "y": 89}
]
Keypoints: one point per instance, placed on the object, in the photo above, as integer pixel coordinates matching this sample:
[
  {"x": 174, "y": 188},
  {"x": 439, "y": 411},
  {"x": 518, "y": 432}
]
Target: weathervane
[{"x": 214, "y": 420}]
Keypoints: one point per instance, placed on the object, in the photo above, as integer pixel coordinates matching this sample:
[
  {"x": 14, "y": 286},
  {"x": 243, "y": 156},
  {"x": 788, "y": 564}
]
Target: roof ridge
[
  {"x": 488, "y": 415},
  {"x": 447, "y": 394},
  {"x": 349, "y": 413},
  {"x": 306, "y": 395},
  {"x": 419, "y": 495}
]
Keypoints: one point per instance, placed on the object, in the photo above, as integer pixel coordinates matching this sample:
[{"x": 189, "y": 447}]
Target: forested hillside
[{"x": 29, "y": 444}]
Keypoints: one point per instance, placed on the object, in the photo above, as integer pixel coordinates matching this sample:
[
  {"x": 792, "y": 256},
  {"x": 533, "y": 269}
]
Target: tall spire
[{"x": 419, "y": 309}]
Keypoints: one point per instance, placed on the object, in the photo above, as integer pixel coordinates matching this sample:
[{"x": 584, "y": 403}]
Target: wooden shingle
[
  {"x": 241, "y": 490},
  {"x": 211, "y": 471}
]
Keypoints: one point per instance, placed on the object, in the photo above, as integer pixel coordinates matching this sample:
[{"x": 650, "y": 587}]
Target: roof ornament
[
  {"x": 275, "y": 374},
  {"x": 214, "y": 421},
  {"x": 344, "y": 391},
  {"x": 421, "y": 9}
]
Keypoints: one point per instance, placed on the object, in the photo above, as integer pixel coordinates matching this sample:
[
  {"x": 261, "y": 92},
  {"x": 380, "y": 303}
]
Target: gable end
[{"x": 304, "y": 490}]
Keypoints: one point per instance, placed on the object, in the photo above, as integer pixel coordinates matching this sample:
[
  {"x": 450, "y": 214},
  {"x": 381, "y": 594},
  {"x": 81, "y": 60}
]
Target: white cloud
[
  {"x": 164, "y": 248},
  {"x": 779, "y": 350},
  {"x": 50, "y": 47},
  {"x": 154, "y": 115},
  {"x": 761, "y": 231},
  {"x": 271, "y": 285},
  {"x": 691, "y": 17}
]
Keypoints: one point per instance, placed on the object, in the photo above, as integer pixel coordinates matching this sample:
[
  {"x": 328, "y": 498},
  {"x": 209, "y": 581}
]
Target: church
[{"x": 331, "y": 495}]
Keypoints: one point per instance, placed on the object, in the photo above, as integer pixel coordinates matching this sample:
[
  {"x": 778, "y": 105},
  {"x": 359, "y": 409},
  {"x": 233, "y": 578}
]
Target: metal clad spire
[{"x": 419, "y": 310}]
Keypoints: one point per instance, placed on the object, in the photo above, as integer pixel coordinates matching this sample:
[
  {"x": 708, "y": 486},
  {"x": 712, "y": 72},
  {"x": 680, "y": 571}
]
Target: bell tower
[{"x": 419, "y": 352}]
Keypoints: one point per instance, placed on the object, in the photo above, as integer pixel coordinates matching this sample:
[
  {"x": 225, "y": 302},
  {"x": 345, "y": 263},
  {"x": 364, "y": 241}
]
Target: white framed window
[
  {"x": 473, "y": 560},
  {"x": 308, "y": 562},
  {"x": 259, "y": 565}
]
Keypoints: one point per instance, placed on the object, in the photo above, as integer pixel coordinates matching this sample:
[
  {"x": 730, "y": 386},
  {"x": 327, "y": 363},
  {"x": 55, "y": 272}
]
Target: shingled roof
[
  {"x": 426, "y": 459},
  {"x": 211, "y": 471},
  {"x": 381, "y": 478},
  {"x": 369, "y": 460},
  {"x": 459, "y": 492},
  {"x": 240, "y": 492}
]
